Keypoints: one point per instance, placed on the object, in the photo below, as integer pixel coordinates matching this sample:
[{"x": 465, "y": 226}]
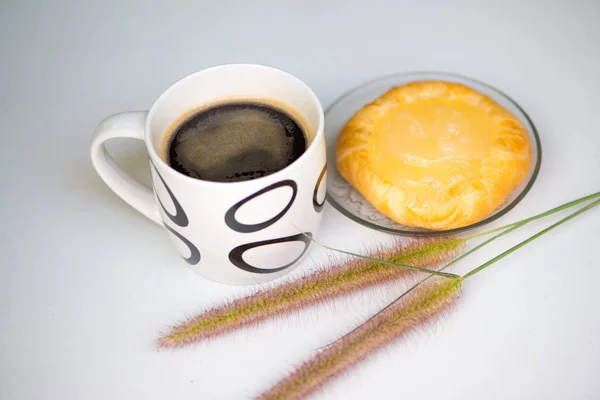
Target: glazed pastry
[{"x": 434, "y": 154}]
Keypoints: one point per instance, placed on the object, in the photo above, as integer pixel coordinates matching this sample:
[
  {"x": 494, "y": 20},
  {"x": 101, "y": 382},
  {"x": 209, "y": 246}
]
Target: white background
[{"x": 87, "y": 284}]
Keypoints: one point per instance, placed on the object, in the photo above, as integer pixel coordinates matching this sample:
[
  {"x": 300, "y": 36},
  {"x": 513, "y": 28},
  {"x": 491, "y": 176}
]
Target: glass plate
[{"x": 353, "y": 205}]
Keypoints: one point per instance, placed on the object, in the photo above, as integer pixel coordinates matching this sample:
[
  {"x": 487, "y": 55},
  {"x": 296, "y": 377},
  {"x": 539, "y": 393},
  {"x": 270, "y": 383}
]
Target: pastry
[{"x": 434, "y": 154}]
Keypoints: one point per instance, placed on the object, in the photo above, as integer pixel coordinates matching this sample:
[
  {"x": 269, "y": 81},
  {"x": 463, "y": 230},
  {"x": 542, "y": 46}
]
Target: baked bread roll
[{"x": 434, "y": 154}]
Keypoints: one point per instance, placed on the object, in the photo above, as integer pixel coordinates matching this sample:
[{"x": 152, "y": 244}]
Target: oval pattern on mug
[
  {"x": 230, "y": 215},
  {"x": 180, "y": 217},
  {"x": 264, "y": 256},
  {"x": 194, "y": 257},
  {"x": 236, "y": 256},
  {"x": 264, "y": 207},
  {"x": 320, "y": 191}
]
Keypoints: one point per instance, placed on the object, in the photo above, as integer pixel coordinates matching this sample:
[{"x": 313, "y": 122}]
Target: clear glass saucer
[{"x": 353, "y": 205}]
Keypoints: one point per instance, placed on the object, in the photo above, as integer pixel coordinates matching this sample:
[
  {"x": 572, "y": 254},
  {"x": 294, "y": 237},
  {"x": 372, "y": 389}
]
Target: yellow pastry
[{"x": 434, "y": 154}]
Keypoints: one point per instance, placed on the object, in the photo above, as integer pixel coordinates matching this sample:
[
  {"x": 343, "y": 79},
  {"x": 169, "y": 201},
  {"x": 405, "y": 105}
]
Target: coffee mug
[{"x": 243, "y": 232}]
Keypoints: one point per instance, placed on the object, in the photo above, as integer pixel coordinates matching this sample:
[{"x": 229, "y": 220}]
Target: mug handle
[{"x": 137, "y": 195}]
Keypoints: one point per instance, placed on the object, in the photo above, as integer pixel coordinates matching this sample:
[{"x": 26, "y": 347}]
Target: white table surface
[{"x": 86, "y": 283}]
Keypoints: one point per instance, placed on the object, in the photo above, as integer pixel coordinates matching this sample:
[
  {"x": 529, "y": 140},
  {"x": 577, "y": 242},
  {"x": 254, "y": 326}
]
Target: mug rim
[{"x": 156, "y": 158}]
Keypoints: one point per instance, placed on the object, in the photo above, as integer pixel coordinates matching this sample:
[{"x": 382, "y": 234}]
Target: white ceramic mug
[{"x": 238, "y": 233}]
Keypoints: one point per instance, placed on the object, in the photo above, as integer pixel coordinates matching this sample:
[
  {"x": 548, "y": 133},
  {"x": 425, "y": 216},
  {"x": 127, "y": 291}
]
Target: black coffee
[{"x": 235, "y": 142}]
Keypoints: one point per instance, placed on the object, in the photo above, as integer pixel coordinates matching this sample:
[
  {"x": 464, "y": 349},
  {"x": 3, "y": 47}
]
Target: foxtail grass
[
  {"x": 339, "y": 280},
  {"x": 424, "y": 304}
]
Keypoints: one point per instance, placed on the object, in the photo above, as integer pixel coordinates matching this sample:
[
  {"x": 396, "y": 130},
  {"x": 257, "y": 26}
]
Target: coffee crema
[{"x": 235, "y": 140}]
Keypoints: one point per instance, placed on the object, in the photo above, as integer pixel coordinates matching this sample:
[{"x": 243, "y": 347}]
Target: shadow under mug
[{"x": 244, "y": 232}]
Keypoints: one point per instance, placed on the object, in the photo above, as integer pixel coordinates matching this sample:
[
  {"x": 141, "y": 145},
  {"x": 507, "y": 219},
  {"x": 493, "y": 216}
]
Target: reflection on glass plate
[{"x": 352, "y": 204}]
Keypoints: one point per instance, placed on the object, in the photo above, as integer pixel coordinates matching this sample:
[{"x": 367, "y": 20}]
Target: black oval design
[
  {"x": 245, "y": 228},
  {"x": 180, "y": 218},
  {"x": 319, "y": 206},
  {"x": 235, "y": 256},
  {"x": 194, "y": 257}
]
